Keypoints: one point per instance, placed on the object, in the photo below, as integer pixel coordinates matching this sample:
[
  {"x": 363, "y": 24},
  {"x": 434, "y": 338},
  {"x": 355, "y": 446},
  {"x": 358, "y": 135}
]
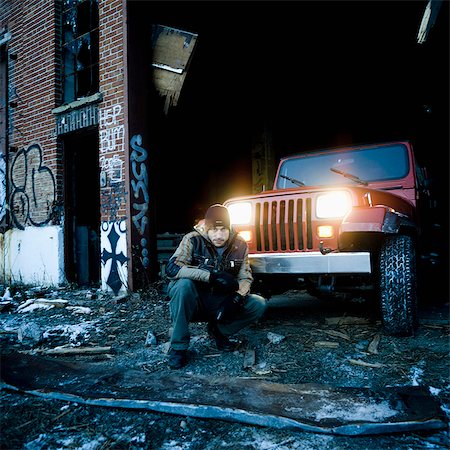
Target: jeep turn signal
[{"x": 325, "y": 231}]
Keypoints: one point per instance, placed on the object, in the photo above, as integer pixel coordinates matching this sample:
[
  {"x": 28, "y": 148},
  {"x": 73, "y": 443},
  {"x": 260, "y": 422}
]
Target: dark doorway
[{"x": 82, "y": 200}]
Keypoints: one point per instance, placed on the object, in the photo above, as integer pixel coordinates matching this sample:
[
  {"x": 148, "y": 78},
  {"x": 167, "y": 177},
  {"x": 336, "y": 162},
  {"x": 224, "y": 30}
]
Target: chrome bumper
[{"x": 311, "y": 262}]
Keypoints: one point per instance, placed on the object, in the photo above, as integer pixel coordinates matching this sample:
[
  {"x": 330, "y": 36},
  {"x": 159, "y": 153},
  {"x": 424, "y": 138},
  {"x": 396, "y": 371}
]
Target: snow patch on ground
[
  {"x": 45, "y": 441},
  {"x": 416, "y": 373},
  {"x": 76, "y": 334},
  {"x": 358, "y": 412}
]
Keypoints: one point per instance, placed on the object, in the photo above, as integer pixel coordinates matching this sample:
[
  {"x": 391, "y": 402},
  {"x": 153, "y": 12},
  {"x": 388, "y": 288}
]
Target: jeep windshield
[{"x": 388, "y": 162}]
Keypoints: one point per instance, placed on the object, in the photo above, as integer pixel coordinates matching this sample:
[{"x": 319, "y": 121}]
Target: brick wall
[
  {"x": 35, "y": 89},
  {"x": 112, "y": 129},
  {"x": 34, "y": 161}
]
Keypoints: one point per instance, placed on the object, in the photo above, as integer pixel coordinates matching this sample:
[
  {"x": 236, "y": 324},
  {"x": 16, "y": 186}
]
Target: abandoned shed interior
[{"x": 300, "y": 76}]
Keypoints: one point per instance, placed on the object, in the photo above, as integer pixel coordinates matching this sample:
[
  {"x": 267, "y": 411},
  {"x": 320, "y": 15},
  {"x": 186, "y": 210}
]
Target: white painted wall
[{"x": 33, "y": 256}]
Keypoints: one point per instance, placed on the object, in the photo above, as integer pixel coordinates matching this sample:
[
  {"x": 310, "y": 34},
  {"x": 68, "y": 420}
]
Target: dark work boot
[
  {"x": 177, "y": 358},
  {"x": 222, "y": 342}
]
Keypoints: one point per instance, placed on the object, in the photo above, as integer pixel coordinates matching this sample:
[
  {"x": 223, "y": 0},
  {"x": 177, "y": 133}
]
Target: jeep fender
[{"x": 378, "y": 219}]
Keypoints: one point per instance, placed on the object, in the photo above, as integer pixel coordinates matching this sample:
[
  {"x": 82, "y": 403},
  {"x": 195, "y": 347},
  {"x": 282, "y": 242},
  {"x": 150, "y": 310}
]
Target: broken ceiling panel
[
  {"x": 172, "y": 53},
  {"x": 428, "y": 20}
]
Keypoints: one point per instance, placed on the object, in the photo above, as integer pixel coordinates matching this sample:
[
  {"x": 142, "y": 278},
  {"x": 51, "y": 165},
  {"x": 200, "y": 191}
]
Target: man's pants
[{"x": 186, "y": 306}]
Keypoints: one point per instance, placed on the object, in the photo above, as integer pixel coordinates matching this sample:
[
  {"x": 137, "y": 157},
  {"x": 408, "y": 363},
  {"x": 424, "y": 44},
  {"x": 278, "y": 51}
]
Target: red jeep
[{"x": 340, "y": 219}]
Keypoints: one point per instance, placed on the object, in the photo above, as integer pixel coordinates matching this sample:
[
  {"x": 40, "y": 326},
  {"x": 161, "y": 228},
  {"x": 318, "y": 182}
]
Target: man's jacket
[{"x": 196, "y": 257}]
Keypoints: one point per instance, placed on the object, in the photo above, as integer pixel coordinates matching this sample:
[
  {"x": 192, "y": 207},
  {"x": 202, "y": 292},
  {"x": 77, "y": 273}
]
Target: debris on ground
[{"x": 300, "y": 340}]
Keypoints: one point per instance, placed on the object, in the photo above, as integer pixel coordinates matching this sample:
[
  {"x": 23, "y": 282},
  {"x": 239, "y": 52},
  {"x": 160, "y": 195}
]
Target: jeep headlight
[
  {"x": 240, "y": 213},
  {"x": 333, "y": 204}
]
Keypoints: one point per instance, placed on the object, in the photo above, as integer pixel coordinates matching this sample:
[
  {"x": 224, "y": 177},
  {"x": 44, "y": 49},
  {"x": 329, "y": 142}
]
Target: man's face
[{"x": 219, "y": 236}]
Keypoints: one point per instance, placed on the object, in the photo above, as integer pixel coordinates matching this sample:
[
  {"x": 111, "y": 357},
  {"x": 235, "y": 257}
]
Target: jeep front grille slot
[
  {"x": 279, "y": 225},
  {"x": 300, "y": 223},
  {"x": 282, "y": 226},
  {"x": 291, "y": 224},
  {"x": 258, "y": 226},
  {"x": 308, "y": 224},
  {"x": 266, "y": 226},
  {"x": 273, "y": 222}
]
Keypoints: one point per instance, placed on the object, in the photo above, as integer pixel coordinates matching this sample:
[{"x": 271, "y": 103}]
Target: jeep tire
[{"x": 398, "y": 290}]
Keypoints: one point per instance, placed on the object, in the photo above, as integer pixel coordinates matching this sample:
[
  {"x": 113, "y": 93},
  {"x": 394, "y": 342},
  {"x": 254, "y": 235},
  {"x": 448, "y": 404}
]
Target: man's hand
[
  {"x": 230, "y": 307},
  {"x": 238, "y": 300},
  {"x": 223, "y": 281}
]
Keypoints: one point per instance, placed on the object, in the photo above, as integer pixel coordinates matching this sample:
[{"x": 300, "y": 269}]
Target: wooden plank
[
  {"x": 75, "y": 350},
  {"x": 307, "y": 407}
]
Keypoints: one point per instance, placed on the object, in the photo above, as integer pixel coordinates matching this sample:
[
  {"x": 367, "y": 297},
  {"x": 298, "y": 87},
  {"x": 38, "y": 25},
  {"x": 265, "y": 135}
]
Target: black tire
[{"x": 398, "y": 285}]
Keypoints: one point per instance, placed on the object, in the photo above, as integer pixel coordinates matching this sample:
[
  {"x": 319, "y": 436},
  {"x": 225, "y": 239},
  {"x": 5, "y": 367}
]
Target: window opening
[{"x": 80, "y": 48}]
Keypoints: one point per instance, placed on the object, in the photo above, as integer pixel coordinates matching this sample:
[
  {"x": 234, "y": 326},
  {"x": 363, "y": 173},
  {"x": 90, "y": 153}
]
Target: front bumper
[{"x": 310, "y": 262}]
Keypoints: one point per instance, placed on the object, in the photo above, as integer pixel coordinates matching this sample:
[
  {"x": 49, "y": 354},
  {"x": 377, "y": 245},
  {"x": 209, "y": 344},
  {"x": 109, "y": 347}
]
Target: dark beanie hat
[{"x": 217, "y": 216}]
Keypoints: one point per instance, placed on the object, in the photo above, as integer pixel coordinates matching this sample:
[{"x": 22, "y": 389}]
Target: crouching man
[{"x": 210, "y": 282}]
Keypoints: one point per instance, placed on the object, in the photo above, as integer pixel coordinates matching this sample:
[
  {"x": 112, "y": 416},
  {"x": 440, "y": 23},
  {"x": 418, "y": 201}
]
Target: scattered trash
[
  {"x": 41, "y": 303},
  {"x": 347, "y": 320},
  {"x": 249, "y": 358},
  {"x": 165, "y": 347},
  {"x": 311, "y": 351},
  {"x": 360, "y": 362},
  {"x": 373, "y": 346},
  {"x": 260, "y": 372},
  {"x": 150, "y": 339},
  {"x": 437, "y": 326},
  {"x": 75, "y": 350},
  {"x": 6, "y": 295},
  {"x": 152, "y": 367},
  {"x": 416, "y": 374},
  {"x": 327, "y": 344},
  {"x": 274, "y": 338},
  {"x": 75, "y": 335},
  {"x": 434, "y": 391},
  {"x": 261, "y": 369},
  {"x": 337, "y": 334},
  {"x": 29, "y": 333},
  {"x": 80, "y": 309}
]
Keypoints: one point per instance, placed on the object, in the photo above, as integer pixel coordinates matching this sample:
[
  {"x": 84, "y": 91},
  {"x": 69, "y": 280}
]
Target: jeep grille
[{"x": 279, "y": 225}]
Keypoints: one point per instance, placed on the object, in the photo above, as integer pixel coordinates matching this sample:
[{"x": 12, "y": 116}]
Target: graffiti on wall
[
  {"x": 114, "y": 259},
  {"x": 112, "y": 201},
  {"x": 110, "y": 130},
  {"x": 139, "y": 185},
  {"x": 2, "y": 187},
  {"x": 33, "y": 189},
  {"x": 113, "y": 167}
]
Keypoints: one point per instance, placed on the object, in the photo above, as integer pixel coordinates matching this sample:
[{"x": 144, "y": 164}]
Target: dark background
[{"x": 313, "y": 74}]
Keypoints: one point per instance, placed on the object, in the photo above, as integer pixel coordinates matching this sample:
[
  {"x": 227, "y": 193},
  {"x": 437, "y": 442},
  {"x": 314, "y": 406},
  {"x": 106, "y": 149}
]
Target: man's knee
[
  {"x": 183, "y": 295},
  {"x": 183, "y": 299},
  {"x": 256, "y": 304},
  {"x": 181, "y": 288}
]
